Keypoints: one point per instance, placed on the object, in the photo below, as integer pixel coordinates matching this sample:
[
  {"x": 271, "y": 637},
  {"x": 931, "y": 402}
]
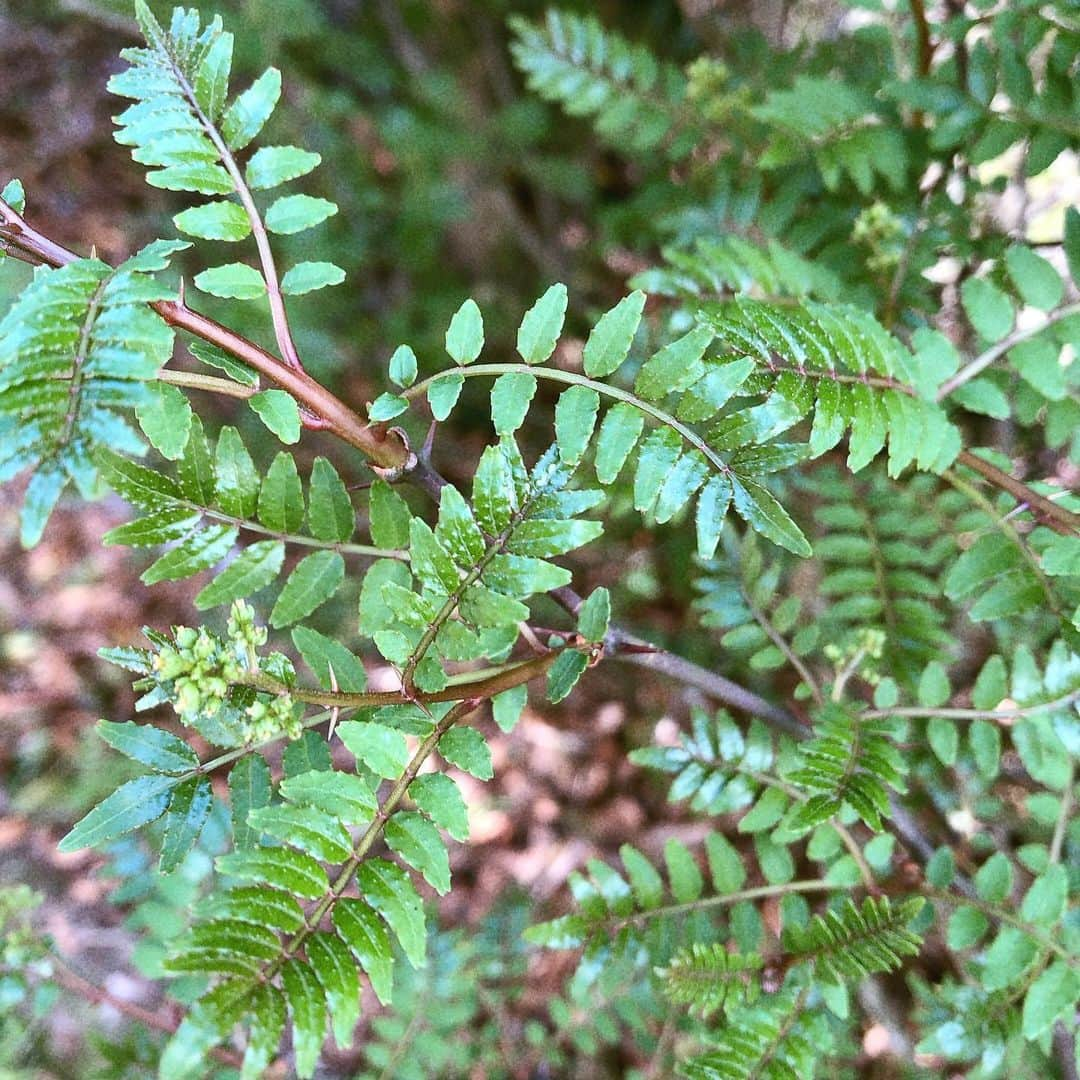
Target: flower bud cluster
[{"x": 201, "y": 669}]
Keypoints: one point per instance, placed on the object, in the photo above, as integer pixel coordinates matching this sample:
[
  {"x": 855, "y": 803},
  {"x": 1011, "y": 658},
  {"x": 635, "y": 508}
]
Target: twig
[
  {"x": 1055, "y": 517},
  {"x": 386, "y": 448},
  {"x": 985, "y": 359}
]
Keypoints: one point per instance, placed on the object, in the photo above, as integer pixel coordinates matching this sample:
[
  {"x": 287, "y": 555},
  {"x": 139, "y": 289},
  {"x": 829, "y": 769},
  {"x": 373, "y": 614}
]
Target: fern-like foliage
[
  {"x": 851, "y": 942},
  {"x": 839, "y": 127},
  {"x": 852, "y": 761},
  {"x": 634, "y": 99},
  {"x": 216, "y": 494},
  {"x": 186, "y": 130},
  {"x": 732, "y": 265},
  {"x": 76, "y": 350},
  {"x": 782, "y": 1042},
  {"x": 705, "y": 978},
  {"x": 856, "y": 376},
  {"x": 677, "y": 389},
  {"x": 881, "y": 555}
]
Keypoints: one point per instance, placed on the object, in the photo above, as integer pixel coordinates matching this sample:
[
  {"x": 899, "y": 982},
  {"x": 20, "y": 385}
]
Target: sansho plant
[{"x": 879, "y": 804}]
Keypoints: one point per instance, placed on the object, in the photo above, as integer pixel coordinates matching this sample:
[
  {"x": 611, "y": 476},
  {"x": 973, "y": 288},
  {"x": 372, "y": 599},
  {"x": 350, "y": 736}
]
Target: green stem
[
  {"x": 211, "y": 383},
  {"x": 372, "y": 833},
  {"x": 978, "y": 714},
  {"x": 572, "y": 378}
]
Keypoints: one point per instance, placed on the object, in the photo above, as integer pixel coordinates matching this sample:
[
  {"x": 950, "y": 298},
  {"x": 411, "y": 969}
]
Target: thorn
[
  {"x": 181, "y": 293},
  {"x": 93, "y": 251},
  {"x": 429, "y": 441}
]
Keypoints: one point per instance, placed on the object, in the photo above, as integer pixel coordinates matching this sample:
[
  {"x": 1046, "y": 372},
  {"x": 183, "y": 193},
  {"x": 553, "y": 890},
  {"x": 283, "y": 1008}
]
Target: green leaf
[
  {"x": 212, "y": 76},
  {"x": 308, "y": 1007},
  {"x": 236, "y": 485},
  {"x": 1036, "y": 361},
  {"x": 281, "y": 498},
  {"x": 646, "y": 883},
  {"x": 417, "y": 841},
  {"x": 14, "y": 195},
  {"x": 386, "y": 407},
  {"x": 130, "y": 806},
  {"x": 563, "y": 675},
  {"x": 966, "y": 927},
  {"x": 165, "y": 417},
  {"x": 756, "y": 506},
  {"x": 540, "y": 328},
  {"x": 994, "y": 879},
  {"x": 683, "y": 872},
  {"x": 443, "y": 394},
  {"x": 198, "y": 552},
  {"x": 987, "y": 307},
  {"x": 466, "y": 748},
  {"x": 359, "y": 927},
  {"x": 279, "y": 412},
  {"x": 42, "y": 495},
  {"x": 274, "y": 165},
  {"x": 187, "y": 812},
  {"x": 675, "y": 367},
  {"x": 611, "y": 337},
  {"x": 267, "y": 1009},
  {"x": 236, "y": 281},
  {"x": 1035, "y": 279},
  {"x": 403, "y": 366},
  {"x": 245, "y": 117},
  {"x": 493, "y": 496},
  {"x": 295, "y": 213},
  {"x": 1053, "y": 994},
  {"x": 141, "y": 486},
  {"x": 725, "y": 864},
  {"x": 389, "y": 891},
  {"x": 594, "y": 615},
  {"x": 1044, "y": 902},
  {"x": 511, "y": 395},
  {"x": 985, "y": 739},
  {"x": 215, "y": 357},
  {"x": 221, "y": 220},
  {"x": 389, "y": 516},
  {"x": 619, "y": 432},
  {"x": 306, "y": 277},
  {"x": 506, "y": 708},
  {"x": 934, "y": 690},
  {"x": 330, "y": 510},
  {"x": 766, "y": 812},
  {"x": 544, "y": 539},
  {"x": 1007, "y": 959},
  {"x": 249, "y": 789},
  {"x": 712, "y": 508},
  {"x": 575, "y": 419},
  {"x": 305, "y": 828},
  {"x": 944, "y": 739},
  {"x": 292, "y": 871},
  {"x": 341, "y": 795},
  {"x": 253, "y": 569},
  {"x": 380, "y": 749},
  {"x": 658, "y": 455},
  {"x": 150, "y": 746},
  {"x": 313, "y": 581},
  {"x": 465, "y": 335},
  {"x": 330, "y": 960},
  {"x": 441, "y": 799}
]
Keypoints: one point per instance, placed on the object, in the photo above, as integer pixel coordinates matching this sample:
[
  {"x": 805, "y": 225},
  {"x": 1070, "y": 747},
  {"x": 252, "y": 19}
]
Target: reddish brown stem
[
  {"x": 386, "y": 448},
  {"x": 1046, "y": 510}
]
